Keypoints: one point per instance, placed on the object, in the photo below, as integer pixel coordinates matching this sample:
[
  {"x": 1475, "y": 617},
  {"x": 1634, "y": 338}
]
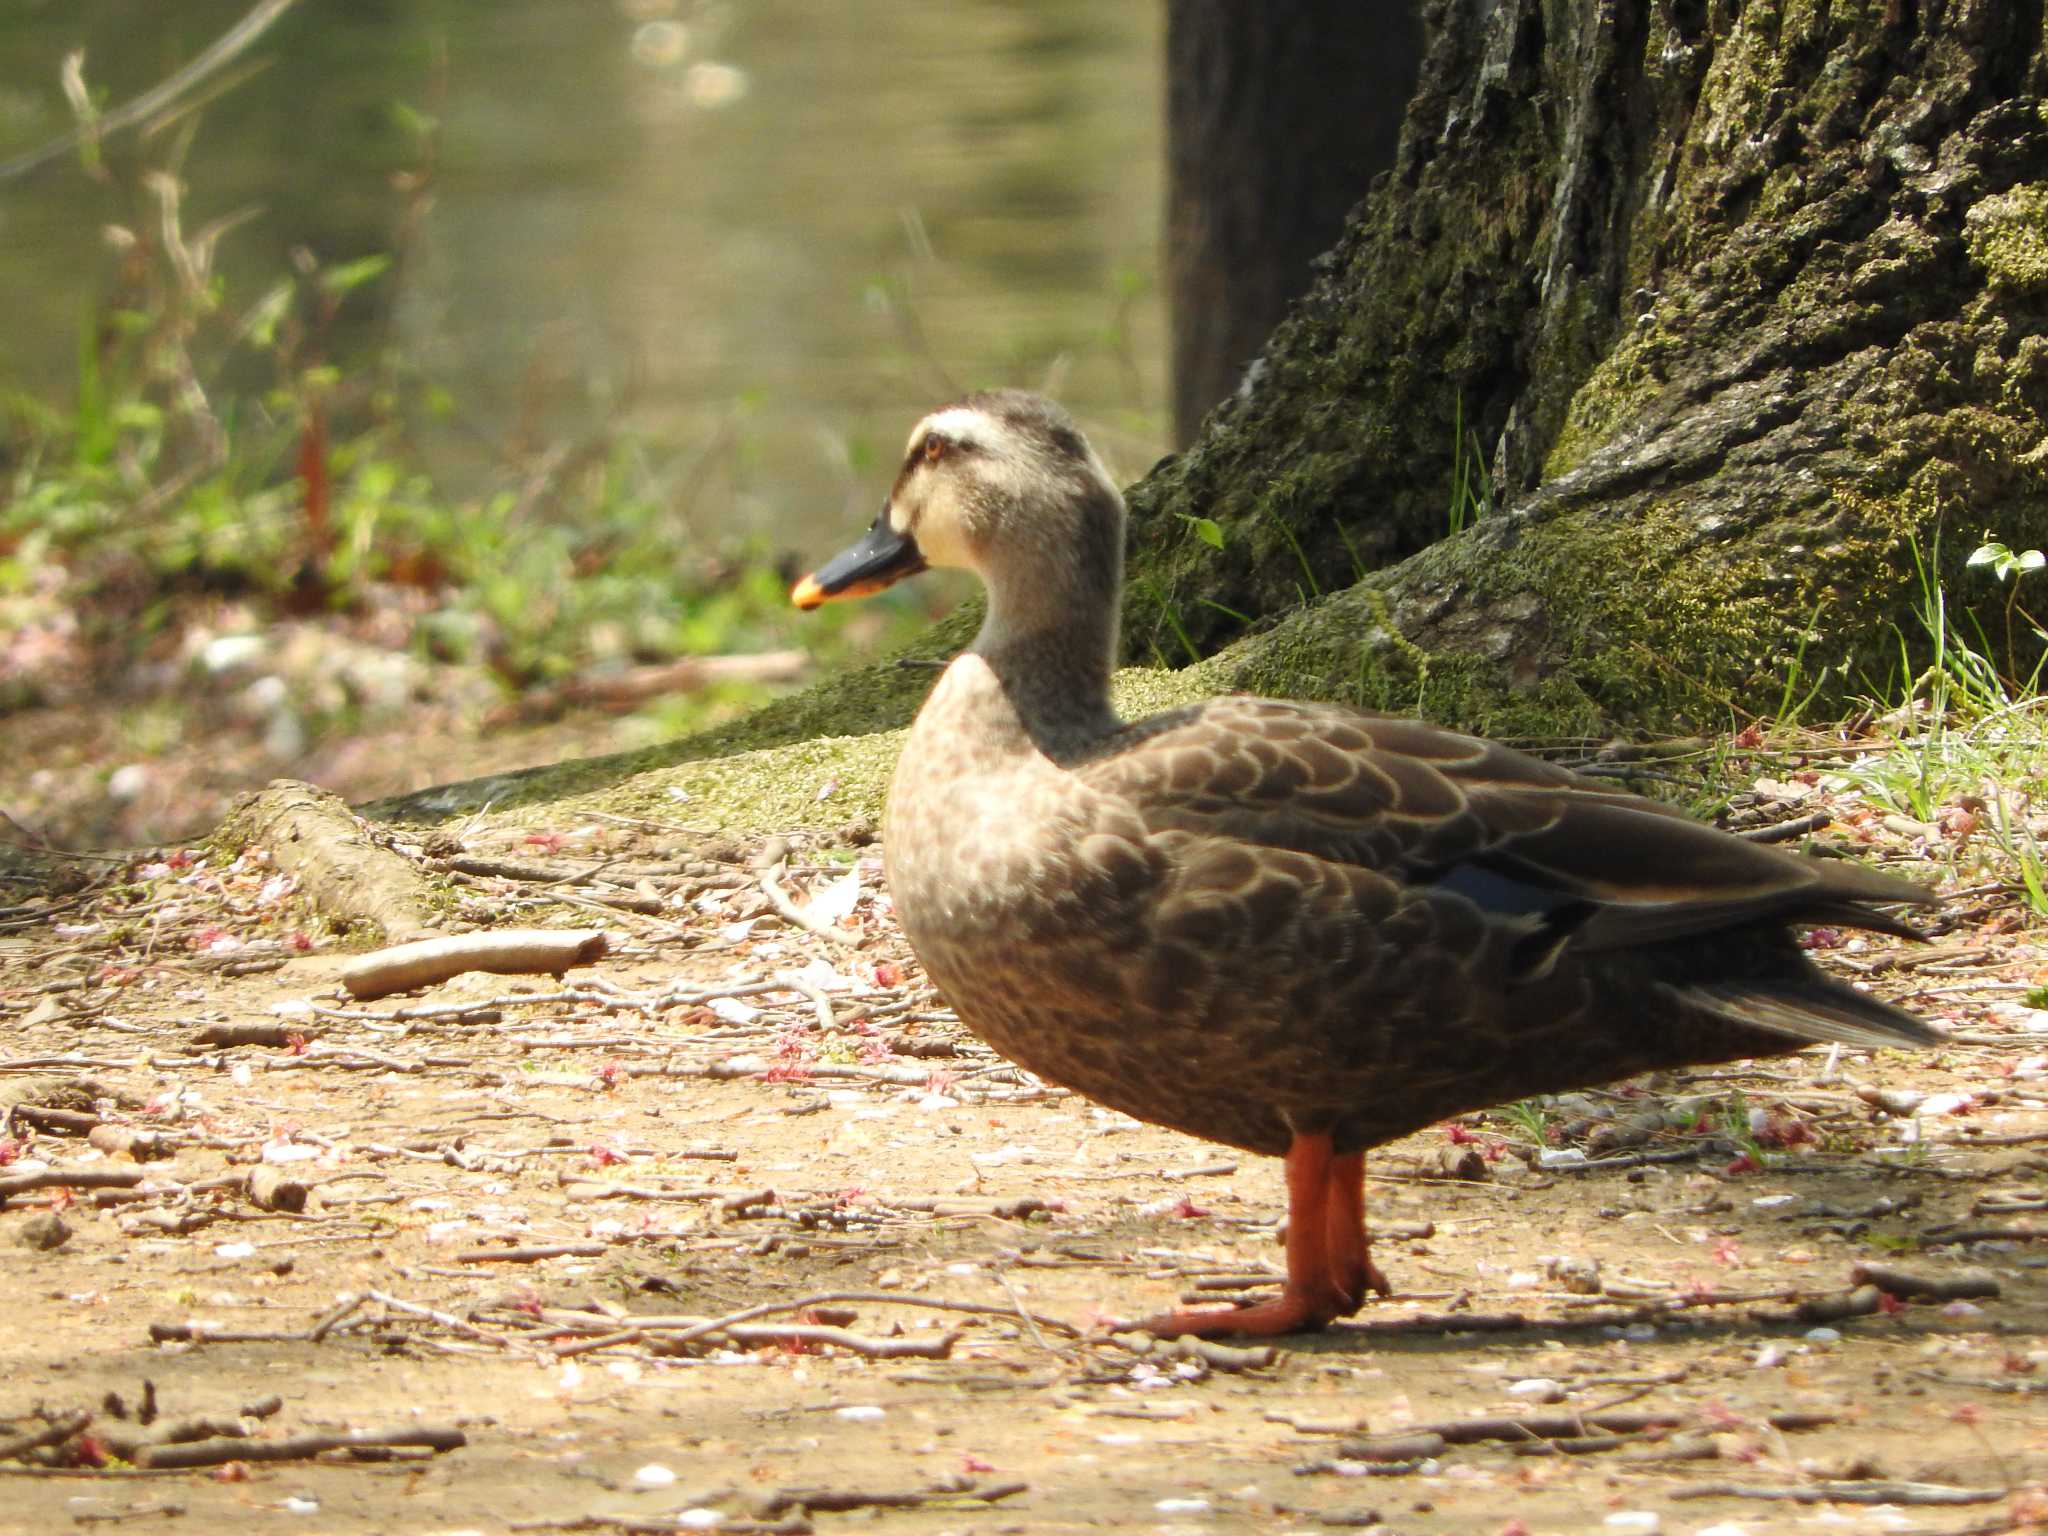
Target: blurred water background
[{"x": 764, "y": 234}]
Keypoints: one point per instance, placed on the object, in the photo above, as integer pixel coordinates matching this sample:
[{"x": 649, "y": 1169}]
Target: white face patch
[
  {"x": 927, "y": 506},
  {"x": 996, "y": 466},
  {"x": 964, "y": 424}
]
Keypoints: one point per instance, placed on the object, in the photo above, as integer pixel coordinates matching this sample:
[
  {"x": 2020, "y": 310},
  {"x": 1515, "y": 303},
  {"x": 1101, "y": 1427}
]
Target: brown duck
[{"x": 1299, "y": 929}]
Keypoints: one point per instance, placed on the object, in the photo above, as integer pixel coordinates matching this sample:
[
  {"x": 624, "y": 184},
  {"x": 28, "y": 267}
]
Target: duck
[{"x": 1294, "y": 928}]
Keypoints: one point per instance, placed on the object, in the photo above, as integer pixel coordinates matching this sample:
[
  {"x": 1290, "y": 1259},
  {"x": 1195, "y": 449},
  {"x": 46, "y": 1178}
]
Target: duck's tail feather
[{"x": 1815, "y": 1009}]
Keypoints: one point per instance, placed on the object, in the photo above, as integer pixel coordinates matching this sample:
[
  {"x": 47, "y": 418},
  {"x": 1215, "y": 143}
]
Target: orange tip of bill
[{"x": 807, "y": 593}]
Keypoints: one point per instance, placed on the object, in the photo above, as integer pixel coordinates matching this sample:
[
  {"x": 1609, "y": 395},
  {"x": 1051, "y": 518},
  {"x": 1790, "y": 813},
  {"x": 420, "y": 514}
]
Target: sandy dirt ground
[{"x": 736, "y": 1230}]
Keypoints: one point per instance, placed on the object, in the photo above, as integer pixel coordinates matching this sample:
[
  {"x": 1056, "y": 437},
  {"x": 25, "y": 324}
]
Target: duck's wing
[{"x": 1521, "y": 838}]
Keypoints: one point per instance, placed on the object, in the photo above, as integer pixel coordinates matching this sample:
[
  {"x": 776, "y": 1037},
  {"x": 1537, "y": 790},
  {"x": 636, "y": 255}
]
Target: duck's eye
[{"x": 934, "y": 448}]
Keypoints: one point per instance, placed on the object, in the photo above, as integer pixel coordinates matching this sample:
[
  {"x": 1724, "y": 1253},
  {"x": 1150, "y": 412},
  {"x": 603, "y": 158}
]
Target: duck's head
[{"x": 1002, "y": 484}]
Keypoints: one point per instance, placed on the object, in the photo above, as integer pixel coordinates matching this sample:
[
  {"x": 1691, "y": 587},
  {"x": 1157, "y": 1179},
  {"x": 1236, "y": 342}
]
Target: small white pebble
[
  {"x": 1541, "y": 1388},
  {"x": 860, "y": 1413},
  {"x": 1560, "y": 1157},
  {"x": 1769, "y": 1356},
  {"x": 655, "y": 1475},
  {"x": 1771, "y": 1202},
  {"x": 1823, "y": 1335},
  {"x": 699, "y": 1519},
  {"x": 233, "y": 1250},
  {"x": 1639, "y": 1333},
  {"x": 1182, "y": 1506},
  {"x": 1645, "y": 1521},
  {"x": 299, "y": 1504}
]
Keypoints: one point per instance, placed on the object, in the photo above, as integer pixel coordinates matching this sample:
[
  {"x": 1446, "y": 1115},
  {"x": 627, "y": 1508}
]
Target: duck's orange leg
[
  {"x": 1328, "y": 1267},
  {"x": 1352, "y": 1270}
]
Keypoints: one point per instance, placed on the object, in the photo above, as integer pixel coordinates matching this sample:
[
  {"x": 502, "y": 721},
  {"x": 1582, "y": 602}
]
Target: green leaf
[
  {"x": 353, "y": 274},
  {"x": 261, "y": 323},
  {"x": 1207, "y": 530}
]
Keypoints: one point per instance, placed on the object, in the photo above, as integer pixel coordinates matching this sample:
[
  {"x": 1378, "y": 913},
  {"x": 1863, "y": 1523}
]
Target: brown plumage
[{"x": 1299, "y": 929}]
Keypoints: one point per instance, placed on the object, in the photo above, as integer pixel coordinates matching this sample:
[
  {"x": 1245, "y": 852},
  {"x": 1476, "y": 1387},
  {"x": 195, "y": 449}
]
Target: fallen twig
[
  {"x": 790, "y": 912},
  {"x": 507, "y": 951},
  {"x": 56, "y": 1432},
  {"x": 1785, "y": 831},
  {"x": 69, "y": 1178},
  {"x": 1917, "y": 1285},
  {"x": 1547, "y": 1426},
  {"x": 1943, "y": 1237},
  {"x": 1845, "y": 1493},
  {"x": 214, "y": 1452},
  {"x": 838, "y": 1500},
  {"x": 533, "y": 1254}
]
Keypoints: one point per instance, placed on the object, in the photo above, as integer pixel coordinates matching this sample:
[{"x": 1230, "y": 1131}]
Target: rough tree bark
[
  {"x": 1277, "y": 117},
  {"x": 1746, "y": 303}
]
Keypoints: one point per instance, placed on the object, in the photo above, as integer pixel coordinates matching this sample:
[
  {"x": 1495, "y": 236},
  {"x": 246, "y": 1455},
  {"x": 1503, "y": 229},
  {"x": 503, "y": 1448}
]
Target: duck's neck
[{"x": 1051, "y": 648}]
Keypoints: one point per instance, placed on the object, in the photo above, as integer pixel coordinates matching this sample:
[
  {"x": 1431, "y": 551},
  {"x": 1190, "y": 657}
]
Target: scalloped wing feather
[{"x": 1510, "y": 832}]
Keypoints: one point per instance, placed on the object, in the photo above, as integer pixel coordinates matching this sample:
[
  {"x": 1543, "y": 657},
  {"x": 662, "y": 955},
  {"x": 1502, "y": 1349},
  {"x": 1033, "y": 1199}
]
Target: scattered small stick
[
  {"x": 940, "y": 1348},
  {"x": 58, "y": 1122},
  {"x": 1548, "y": 1426},
  {"x": 1917, "y": 1285},
  {"x": 345, "y": 1306},
  {"x": 695, "y": 1328},
  {"x": 56, "y": 1432},
  {"x": 1206, "y": 1171},
  {"x": 1411, "y": 1448},
  {"x": 1837, "y": 1306},
  {"x": 1628, "y": 1160},
  {"x": 2015, "y": 1386},
  {"x": 1004, "y": 1210},
  {"x": 656, "y": 1525},
  {"x": 1845, "y": 1493},
  {"x": 821, "y": 1005},
  {"x": 505, "y": 952},
  {"x": 534, "y": 1254},
  {"x": 258, "y": 1033},
  {"x": 209, "y": 1333},
  {"x": 1785, "y": 831},
  {"x": 132, "y": 1443},
  {"x": 69, "y": 1178},
  {"x": 839, "y": 1500},
  {"x": 1940, "y": 1237},
  {"x": 446, "y": 1319},
  {"x": 1570, "y": 1445},
  {"x": 790, "y": 912},
  {"x": 215, "y": 1452}
]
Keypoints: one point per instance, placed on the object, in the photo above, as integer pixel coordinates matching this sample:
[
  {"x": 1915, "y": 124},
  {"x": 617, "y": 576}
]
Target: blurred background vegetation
[{"x": 428, "y": 390}]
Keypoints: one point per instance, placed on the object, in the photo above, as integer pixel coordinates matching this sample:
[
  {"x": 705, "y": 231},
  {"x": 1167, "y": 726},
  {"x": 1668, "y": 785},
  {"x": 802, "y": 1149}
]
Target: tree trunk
[
  {"x": 1743, "y": 303},
  {"x": 1277, "y": 118}
]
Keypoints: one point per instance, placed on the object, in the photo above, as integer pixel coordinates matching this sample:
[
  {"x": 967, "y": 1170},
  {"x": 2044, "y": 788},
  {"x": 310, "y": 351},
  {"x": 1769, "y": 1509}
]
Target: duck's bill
[{"x": 881, "y": 559}]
